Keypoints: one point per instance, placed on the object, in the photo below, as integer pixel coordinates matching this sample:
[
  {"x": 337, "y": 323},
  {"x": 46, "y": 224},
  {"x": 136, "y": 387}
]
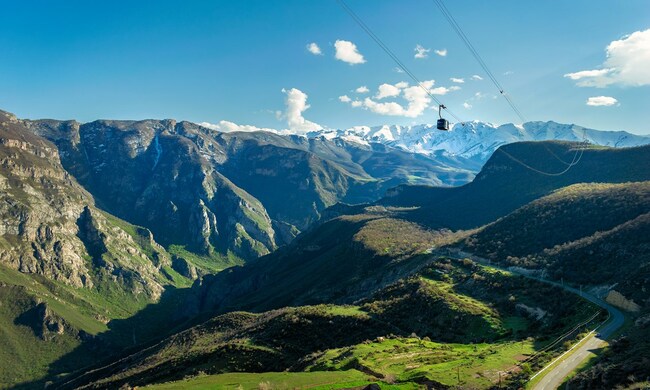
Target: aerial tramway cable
[
  {"x": 392, "y": 55},
  {"x": 461, "y": 34},
  {"x": 450, "y": 18}
]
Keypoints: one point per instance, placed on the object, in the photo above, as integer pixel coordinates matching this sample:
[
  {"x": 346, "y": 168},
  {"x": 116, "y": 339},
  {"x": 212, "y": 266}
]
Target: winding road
[{"x": 552, "y": 378}]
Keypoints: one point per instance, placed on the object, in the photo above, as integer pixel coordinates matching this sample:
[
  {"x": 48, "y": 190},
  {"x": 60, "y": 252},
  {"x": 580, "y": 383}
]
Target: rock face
[
  {"x": 46, "y": 324},
  {"x": 228, "y": 192},
  {"x": 154, "y": 174},
  {"x": 50, "y": 225},
  {"x": 617, "y": 299}
]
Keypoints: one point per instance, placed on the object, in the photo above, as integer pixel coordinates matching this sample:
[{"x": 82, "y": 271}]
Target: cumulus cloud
[
  {"x": 627, "y": 63},
  {"x": 441, "y": 53},
  {"x": 296, "y": 104},
  {"x": 601, "y": 101},
  {"x": 457, "y": 80},
  {"x": 477, "y": 77},
  {"x": 398, "y": 69},
  {"x": 227, "y": 127},
  {"x": 362, "y": 89},
  {"x": 314, "y": 49},
  {"x": 467, "y": 106},
  {"x": 387, "y": 90},
  {"x": 345, "y": 99},
  {"x": 346, "y": 51},
  {"x": 413, "y": 100},
  {"x": 421, "y": 52}
]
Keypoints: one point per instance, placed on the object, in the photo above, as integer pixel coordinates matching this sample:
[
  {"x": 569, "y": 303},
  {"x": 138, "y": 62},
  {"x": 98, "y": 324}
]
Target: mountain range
[
  {"x": 138, "y": 252},
  {"x": 477, "y": 140},
  {"x": 369, "y": 288}
]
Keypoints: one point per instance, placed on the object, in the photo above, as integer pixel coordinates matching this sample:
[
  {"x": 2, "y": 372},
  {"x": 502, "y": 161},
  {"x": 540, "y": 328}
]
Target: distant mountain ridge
[{"x": 478, "y": 140}]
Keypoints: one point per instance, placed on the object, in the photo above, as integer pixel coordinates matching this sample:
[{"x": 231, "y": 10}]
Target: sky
[{"x": 303, "y": 65}]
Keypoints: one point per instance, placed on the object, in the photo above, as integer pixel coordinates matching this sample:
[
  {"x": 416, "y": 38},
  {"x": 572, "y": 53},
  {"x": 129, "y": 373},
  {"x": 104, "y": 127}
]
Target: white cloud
[
  {"x": 398, "y": 69},
  {"x": 508, "y": 73},
  {"x": 587, "y": 73},
  {"x": 601, "y": 101},
  {"x": 314, "y": 49},
  {"x": 416, "y": 99},
  {"x": 345, "y": 99},
  {"x": 362, "y": 89},
  {"x": 421, "y": 52},
  {"x": 227, "y": 126},
  {"x": 441, "y": 53},
  {"x": 467, "y": 106},
  {"x": 388, "y": 108},
  {"x": 477, "y": 77},
  {"x": 387, "y": 90},
  {"x": 444, "y": 90},
  {"x": 457, "y": 80},
  {"x": 296, "y": 103},
  {"x": 346, "y": 51},
  {"x": 627, "y": 63}
]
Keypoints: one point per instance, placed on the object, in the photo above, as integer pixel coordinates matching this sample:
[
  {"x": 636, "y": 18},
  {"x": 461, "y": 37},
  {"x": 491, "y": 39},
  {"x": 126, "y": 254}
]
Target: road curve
[{"x": 554, "y": 377}]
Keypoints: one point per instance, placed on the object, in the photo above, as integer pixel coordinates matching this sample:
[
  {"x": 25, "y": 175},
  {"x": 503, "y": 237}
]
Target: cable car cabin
[{"x": 443, "y": 124}]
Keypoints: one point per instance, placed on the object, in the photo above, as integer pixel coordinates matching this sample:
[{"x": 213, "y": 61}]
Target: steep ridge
[
  {"x": 66, "y": 268},
  {"x": 213, "y": 192},
  {"x": 152, "y": 173}
]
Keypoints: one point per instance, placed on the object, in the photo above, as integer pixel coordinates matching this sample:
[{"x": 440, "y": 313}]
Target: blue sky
[{"x": 247, "y": 62}]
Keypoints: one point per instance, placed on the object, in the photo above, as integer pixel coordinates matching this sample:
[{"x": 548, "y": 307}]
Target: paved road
[{"x": 554, "y": 377}]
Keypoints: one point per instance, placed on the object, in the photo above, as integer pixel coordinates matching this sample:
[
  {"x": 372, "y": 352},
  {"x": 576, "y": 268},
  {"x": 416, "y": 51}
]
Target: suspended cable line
[
  {"x": 477, "y": 56},
  {"x": 394, "y": 57},
  {"x": 570, "y": 165},
  {"x": 461, "y": 34}
]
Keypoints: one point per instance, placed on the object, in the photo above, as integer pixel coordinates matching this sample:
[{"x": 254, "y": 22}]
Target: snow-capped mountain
[{"x": 477, "y": 140}]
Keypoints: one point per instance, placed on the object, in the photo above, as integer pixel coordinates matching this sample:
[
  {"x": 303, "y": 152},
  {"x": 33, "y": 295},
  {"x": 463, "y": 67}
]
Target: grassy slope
[
  {"x": 587, "y": 234},
  {"x": 429, "y": 305},
  {"x": 212, "y": 263},
  {"x": 566, "y": 215},
  {"x": 410, "y": 359},
  {"x": 271, "y": 380},
  {"x": 25, "y": 356},
  {"x": 339, "y": 261}
]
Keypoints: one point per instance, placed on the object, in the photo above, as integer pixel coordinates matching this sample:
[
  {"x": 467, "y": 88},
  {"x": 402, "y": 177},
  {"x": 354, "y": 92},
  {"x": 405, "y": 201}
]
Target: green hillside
[
  {"x": 504, "y": 184},
  {"x": 498, "y": 330}
]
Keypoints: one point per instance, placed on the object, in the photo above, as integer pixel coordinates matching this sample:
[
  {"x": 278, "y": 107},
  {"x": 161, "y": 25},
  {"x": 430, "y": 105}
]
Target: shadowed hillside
[{"x": 505, "y": 184}]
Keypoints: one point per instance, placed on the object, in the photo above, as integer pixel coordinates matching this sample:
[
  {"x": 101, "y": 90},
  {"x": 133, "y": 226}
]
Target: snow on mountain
[{"x": 477, "y": 140}]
